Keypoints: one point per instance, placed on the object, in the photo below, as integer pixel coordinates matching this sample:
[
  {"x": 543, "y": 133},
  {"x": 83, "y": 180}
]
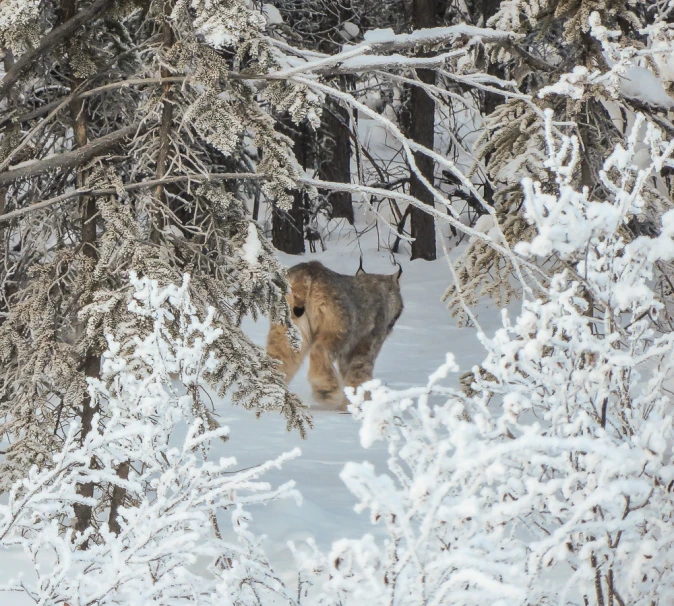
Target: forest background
[{"x": 155, "y": 156}]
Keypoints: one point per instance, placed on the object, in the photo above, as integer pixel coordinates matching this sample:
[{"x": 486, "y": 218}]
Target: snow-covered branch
[
  {"x": 173, "y": 493},
  {"x": 549, "y": 479}
]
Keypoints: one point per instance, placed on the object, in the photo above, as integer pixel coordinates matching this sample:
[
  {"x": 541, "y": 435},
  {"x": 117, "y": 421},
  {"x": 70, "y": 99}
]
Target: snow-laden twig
[
  {"x": 550, "y": 480},
  {"x": 173, "y": 491}
]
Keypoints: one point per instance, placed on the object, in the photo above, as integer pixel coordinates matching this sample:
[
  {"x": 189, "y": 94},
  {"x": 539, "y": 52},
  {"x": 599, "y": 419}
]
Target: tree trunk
[
  {"x": 164, "y": 131},
  {"x": 422, "y": 131},
  {"x": 338, "y": 167},
  {"x": 91, "y": 363},
  {"x": 83, "y": 513},
  {"x": 117, "y": 499},
  {"x": 288, "y": 226},
  {"x": 491, "y": 100},
  {"x": 8, "y": 63}
]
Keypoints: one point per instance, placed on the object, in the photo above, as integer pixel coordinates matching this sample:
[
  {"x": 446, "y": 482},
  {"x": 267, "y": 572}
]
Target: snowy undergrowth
[
  {"x": 424, "y": 331},
  {"x": 162, "y": 545},
  {"x": 552, "y": 483}
]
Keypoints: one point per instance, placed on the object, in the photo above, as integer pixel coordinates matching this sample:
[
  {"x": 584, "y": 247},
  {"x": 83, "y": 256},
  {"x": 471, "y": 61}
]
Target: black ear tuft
[
  {"x": 360, "y": 267},
  {"x": 298, "y": 311}
]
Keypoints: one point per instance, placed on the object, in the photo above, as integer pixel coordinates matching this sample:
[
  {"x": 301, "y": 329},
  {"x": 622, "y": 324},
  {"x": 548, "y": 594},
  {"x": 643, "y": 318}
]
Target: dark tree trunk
[
  {"x": 288, "y": 226},
  {"x": 117, "y": 499},
  {"x": 338, "y": 167},
  {"x": 84, "y": 513},
  {"x": 164, "y": 130},
  {"x": 422, "y": 131},
  {"x": 8, "y": 63},
  {"x": 88, "y": 215},
  {"x": 92, "y": 363},
  {"x": 491, "y": 100}
]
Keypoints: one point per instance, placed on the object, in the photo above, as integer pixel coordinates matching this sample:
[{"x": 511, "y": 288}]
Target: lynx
[{"x": 343, "y": 320}]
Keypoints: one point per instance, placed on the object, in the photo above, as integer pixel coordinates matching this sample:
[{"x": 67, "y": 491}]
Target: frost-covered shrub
[
  {"x": 552, "y": 484},
  {"x": 158, "y": 541}
]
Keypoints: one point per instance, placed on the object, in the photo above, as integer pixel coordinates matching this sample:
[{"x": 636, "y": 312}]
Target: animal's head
[{"x": 389, "y": 287}]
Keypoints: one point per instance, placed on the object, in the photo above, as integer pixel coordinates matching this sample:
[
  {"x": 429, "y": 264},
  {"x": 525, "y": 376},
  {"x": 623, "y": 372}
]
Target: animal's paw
[
  {"x": 343, "y": 407},
  {"x": 331, "y": 397}
]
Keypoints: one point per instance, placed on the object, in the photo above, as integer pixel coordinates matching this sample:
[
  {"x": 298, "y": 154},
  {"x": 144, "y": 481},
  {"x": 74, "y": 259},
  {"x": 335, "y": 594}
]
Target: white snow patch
[
  {"x": 252, "y": 247},
  {"x": 430, "y": 35},
  {"x": 273, "y": 14},
  {"x": 642, "y": 84},
  {"x": 484, "y": 224}
]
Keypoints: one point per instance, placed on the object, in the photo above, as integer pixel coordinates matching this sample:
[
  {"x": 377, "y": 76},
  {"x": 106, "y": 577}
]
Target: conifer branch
[
  {"x": 45, "y": 109},
  {"x": 528, "y": 58},
  {"x": 165, "y": 125},
  {"x": 109, "y": 191},
  {"x": 55, "y": 37}
]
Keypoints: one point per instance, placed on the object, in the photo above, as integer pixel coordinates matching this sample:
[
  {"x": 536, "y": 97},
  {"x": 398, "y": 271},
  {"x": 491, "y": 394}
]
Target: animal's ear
[
  {"x": 360, "y": 267},
  {"x": 396, "y": 276}
]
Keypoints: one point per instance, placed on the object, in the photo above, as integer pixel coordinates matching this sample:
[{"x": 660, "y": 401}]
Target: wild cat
[{"x": 343, "y": 320}]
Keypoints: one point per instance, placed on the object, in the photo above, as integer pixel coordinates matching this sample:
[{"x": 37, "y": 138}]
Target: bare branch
[{"x": 69, "y": 159}]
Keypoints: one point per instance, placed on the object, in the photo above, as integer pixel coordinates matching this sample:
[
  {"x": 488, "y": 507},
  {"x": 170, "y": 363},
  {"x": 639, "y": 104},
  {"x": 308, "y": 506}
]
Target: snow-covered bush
[
  {"x": 155, "y": 538},
  {"x": 550, "y": 480}
]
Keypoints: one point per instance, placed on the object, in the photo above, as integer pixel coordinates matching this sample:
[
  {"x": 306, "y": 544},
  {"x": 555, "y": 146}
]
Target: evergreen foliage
[{"x": 160, "y": 71}]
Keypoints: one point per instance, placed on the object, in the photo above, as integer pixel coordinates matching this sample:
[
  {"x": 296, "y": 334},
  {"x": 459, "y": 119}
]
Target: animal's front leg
[
  {"x": 323, "y": 378},
  {"x": 278, "y": 346}
]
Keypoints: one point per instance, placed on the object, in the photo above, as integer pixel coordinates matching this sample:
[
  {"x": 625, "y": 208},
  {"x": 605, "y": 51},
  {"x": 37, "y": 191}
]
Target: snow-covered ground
[{"x": 417, "y": 346}]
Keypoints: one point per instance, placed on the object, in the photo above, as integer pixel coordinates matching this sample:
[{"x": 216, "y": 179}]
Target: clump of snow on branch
[
  {"x": 19, "y": 24},
  {"x": 635, "y": 72},
  {"x": 167, "y": 521},
  {"x": 252, "y": 248},
  {"x": 552, "y": 483}
]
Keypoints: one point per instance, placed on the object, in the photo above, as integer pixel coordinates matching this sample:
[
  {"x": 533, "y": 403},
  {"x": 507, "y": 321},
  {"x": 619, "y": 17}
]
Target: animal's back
[{"x": 355, "y": 306}]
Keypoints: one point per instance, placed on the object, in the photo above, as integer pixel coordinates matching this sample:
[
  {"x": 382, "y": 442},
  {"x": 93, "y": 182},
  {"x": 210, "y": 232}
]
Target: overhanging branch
[
  {"x": 45, "y": 109},
  {"x": 69, "y": 159},
  {"x": 109, "y": 191}
]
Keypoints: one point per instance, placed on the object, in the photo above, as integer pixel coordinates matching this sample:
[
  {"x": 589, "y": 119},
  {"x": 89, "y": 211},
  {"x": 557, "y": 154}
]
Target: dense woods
[{"x": 154, "y": 158}]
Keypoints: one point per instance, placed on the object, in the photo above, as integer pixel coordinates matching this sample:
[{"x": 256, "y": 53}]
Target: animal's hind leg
[
  {"x": 323, "y": 378},
  {"x": 356, "y": 371},
  {"x": 278, "y": 346}
]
